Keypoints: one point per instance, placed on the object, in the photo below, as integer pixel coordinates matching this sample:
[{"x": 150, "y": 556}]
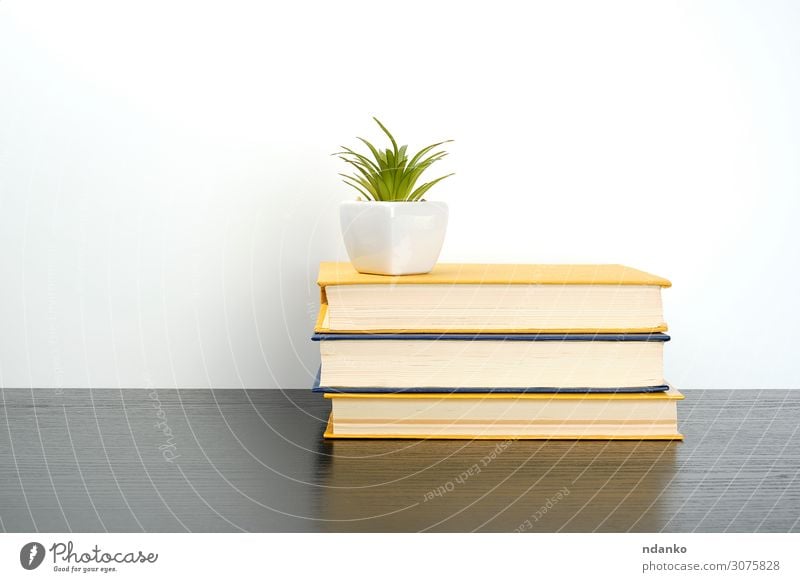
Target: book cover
[
  {"x": 455, "y": 390},
  {"x": 497, "y": 337},
  {"x": 329, "y": 434},
  {"x": 495, "y": 274}
]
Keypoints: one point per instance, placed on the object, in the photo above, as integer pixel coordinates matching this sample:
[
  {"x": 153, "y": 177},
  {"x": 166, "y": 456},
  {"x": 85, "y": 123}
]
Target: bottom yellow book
[{"x": 628, "y": 416}]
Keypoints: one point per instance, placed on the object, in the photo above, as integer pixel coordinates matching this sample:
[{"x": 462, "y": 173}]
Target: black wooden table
[{"x": 233, "y": 460}]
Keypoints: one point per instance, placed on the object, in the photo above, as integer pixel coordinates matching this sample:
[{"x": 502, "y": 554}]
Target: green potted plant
[{"x": 391, "y": 229}]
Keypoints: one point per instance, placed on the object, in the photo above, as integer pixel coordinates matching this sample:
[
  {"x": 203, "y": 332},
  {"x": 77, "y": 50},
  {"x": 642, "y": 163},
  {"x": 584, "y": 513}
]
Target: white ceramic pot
[{"x": 393, "y": 238}]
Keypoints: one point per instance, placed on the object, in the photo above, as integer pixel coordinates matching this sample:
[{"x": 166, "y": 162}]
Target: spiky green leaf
[{"x": 420, "y": 192}]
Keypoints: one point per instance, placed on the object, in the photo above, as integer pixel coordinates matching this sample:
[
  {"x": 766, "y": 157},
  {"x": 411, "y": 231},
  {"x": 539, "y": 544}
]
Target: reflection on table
[{"x": 439, "y": 485}]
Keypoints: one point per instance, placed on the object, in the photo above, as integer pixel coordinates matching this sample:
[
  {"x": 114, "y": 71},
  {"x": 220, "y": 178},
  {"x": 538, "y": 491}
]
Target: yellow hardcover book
[
  {"x": 628, "y": 416},
  {"x": 492, "y": 298}
]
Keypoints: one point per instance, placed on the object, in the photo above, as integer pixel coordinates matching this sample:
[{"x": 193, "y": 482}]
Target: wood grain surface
[{"x": 200, "y": 460}]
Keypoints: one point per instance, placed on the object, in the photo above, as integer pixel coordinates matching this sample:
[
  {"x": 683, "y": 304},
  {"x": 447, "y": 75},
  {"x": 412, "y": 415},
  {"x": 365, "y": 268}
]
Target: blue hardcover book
[
  {"x": 496, "y": 337},
  {"x": 482, "y": 363},
  {"x": 473, "y": 390}
]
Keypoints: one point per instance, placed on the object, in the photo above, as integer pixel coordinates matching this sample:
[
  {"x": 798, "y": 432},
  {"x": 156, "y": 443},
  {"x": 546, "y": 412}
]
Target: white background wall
[{"x": 166, "y": 189}]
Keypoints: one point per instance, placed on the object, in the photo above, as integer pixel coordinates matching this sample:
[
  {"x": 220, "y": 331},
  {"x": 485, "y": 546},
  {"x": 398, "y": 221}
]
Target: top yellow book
[
  {"x": 495, "y": 274},
  {"x": 485, "y": 298}
]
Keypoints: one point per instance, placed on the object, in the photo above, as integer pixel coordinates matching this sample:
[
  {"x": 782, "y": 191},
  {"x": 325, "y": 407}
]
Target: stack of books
[{"x": 495, "y": 351}]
